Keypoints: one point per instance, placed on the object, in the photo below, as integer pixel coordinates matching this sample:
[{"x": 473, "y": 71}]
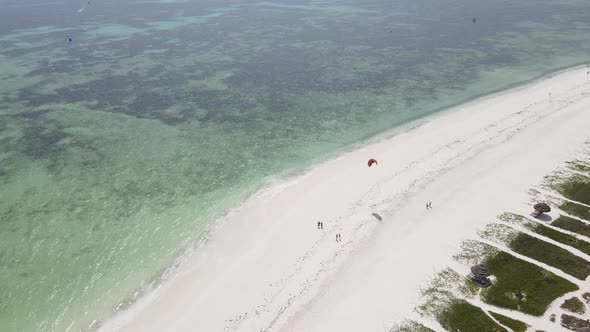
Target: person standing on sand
[
  {"x": 319, "y": 224},
  {"x": 322, "y": 225}
]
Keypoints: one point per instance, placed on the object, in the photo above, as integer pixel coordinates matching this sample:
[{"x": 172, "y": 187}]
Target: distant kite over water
[
  {"x": 474, "y": 20},
  {"x": 69, "y": 37}
]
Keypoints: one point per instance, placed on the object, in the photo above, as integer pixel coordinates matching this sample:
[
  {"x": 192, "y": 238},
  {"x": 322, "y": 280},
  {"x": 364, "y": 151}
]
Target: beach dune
[{"x": 268, "y": 267}]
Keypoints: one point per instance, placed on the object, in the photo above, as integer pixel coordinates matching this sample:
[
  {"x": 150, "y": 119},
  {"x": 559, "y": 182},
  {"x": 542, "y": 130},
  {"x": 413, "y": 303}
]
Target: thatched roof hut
[
  {"x": 480, "y": 271},
  {"x": 542, "y": 207}
]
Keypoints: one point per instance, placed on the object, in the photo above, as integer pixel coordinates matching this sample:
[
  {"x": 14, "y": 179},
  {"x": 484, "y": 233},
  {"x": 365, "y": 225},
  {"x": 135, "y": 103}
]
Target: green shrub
[
  {"x": 574, "y": 305},
  {"x": 573, "y": 323}
]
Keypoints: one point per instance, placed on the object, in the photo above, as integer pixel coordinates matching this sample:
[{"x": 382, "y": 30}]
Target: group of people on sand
[{"x": 338, "y": 235}]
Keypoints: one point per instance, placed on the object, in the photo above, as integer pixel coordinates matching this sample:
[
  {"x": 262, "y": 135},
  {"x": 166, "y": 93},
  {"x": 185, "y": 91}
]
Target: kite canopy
[
  {"x": 542, "y": 207},
  {"x": 371, "y": 162}
]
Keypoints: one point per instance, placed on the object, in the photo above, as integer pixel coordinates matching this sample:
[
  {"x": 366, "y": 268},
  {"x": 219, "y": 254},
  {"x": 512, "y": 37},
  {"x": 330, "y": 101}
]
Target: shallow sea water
[{"x": 119, "y": 149}]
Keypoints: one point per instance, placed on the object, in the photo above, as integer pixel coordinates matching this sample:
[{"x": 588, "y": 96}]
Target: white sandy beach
[{"x": 268, "y": 267}]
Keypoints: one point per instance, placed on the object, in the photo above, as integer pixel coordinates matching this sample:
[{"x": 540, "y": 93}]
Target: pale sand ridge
[{"x": 269, "y": 268}]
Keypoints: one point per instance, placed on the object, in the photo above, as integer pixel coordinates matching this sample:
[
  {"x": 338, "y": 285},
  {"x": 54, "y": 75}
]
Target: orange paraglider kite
[{"x": 371, "y": 162}]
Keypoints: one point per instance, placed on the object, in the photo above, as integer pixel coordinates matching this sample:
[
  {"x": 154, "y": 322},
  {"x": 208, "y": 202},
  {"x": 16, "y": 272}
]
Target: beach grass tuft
[
  {"x": 580, "y": 166},
  {"x": 573, "y": 323},
  {"x": 410, "y": 326},
  {"x": 574, "y": 305},
  {"x": 514, "y": 324}
]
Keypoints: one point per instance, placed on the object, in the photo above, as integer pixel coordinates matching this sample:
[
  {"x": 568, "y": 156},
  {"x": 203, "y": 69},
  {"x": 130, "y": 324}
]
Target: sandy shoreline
[{"x": 269, "y": 268}]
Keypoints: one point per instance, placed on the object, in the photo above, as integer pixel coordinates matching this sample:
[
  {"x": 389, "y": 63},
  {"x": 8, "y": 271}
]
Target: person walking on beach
[{"x": 319, "y": 225}]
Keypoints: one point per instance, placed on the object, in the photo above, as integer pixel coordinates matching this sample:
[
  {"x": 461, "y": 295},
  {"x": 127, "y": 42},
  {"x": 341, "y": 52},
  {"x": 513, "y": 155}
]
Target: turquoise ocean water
[{"x": 118, "y": 149}]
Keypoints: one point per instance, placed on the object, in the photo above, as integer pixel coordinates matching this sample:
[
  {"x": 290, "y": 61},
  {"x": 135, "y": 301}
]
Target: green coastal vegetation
[
  {"x": 465, "y": 317},
  {"x": 574, "y": 305},
  {"x": 572, "y": 225},
  {"x": 573, "y": 323},
  {"x": 518, "y": 284},
  {"x": 514, "y": 324},
  {"x": 547, "y": 232},
  {"x": 580, "y": 166},
  {"x": 576, "y": 210},
  {"x": 523, "y": 286},
  {"x": 551, "y": 255},
  {"x": 560, "y": 237},
  {"x": 410, "y": 326},
  {"x": 576, "y": 188}
]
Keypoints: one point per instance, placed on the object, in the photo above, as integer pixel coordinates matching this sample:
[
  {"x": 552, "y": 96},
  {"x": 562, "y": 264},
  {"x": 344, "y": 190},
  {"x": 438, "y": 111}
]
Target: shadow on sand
[{"x": 544, "y": 217}]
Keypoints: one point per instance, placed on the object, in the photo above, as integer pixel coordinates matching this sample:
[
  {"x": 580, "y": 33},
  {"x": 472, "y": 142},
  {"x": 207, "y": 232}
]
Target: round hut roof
[
  {"x": 542, "y": 207},
  {"x": 480, "y": 271}
]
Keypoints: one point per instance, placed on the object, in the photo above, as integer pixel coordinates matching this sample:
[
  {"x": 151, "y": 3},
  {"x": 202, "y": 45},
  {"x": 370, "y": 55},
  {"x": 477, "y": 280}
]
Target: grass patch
[
  {"x": 579, "y": 166},
  {"x": 522, "y": 285},
  {"x": 573, "y": 323},
  {"x": 515, "y": 325},
  {"x": 576, "y": 210},
  {"x": 576, "y": 188},
  {"x": 574, "y": 305},
  {"x": 551, "y": 255},
  {"x": 465, "y": 317},
  {"x": 560, "y": 237},
  {"x": 572, "y": 225},
  {"x": 410, "y": 326}
]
